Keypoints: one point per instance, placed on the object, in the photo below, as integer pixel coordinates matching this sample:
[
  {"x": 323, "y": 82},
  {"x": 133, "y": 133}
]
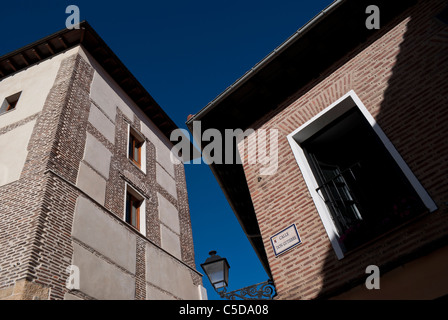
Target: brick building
[
  {"x": 361, "y": 159},
  {"x": 91, "y": 205}
]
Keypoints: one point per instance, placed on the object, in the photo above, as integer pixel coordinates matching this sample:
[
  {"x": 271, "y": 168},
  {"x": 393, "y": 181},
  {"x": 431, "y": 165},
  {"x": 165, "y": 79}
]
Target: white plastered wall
[
  {"x": 35, "y": 82},
  {"x": 107, "y": 97}
]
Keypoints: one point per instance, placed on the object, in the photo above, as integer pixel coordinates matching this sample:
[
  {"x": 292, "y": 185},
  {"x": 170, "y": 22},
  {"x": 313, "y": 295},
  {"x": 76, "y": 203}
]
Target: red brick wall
[{"x": 400, "y": 75}]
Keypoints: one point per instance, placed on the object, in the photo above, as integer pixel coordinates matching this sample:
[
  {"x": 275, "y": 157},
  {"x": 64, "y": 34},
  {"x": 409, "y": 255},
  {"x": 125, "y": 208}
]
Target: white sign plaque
[{"x": 285, "y": 240}]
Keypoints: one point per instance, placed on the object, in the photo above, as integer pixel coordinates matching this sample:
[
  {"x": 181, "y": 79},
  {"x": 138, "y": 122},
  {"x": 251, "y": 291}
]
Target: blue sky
[{"x": 184, "y": 53}]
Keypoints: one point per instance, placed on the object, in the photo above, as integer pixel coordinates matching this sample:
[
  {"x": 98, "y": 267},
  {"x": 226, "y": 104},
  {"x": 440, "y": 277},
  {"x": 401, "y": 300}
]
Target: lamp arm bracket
[{"x": 260, "y": 291}]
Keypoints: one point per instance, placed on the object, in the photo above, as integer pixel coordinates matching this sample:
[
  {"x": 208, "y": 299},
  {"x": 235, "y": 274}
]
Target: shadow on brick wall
[{"x": 414, "y": 116}]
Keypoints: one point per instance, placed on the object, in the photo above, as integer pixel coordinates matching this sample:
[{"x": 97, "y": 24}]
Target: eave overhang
[{"x": 87, "y": 37}]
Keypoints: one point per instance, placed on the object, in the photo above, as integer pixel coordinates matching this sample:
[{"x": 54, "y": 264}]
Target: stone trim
[{"x": 25, "y": 290}]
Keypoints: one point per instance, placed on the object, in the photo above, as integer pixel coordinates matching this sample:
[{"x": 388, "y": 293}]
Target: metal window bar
[{"x": 340, "y": 199}]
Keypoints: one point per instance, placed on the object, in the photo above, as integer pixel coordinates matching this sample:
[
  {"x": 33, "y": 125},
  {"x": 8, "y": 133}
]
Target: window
[
  {"x": 136, "y": 149},
  {"x": 135, "y": 209},
  {"x": 361, "y": 186},
  {"x": 10, "y": 103}
]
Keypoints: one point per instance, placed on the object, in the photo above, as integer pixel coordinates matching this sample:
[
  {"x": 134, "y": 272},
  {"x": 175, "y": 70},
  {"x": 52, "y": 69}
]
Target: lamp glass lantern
[{"x": 217, "y": 270}]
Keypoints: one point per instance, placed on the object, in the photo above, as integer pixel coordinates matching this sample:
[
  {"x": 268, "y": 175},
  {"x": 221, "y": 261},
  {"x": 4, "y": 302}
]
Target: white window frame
[
  {"x": 318, "y": 122},
  {"x": 142, "y": 217}
]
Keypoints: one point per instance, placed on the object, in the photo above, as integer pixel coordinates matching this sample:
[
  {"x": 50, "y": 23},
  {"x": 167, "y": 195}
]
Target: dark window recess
[
  {"x": 133, "y": 210},
  {"x": 443, "y": 15},
  {"x": 364, "y": 189},
  {"x": 135, "y": 150},
  {"x": 10, "y": 103}
]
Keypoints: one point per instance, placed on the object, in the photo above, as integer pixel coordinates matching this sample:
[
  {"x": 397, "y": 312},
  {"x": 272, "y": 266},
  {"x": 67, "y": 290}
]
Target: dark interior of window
[
  {"x": 135, "y": 149},
  {"x": 10, "y": 103},
  {"x": 133, "y": 210},
  {"x": 364, "y": 189}
]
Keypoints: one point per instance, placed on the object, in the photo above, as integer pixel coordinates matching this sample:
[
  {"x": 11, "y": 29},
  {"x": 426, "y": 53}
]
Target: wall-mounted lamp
[{"x": 217, "y": 271}]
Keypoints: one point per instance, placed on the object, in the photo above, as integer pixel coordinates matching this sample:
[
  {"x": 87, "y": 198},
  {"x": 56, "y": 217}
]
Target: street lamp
[{"x": 217, "y": 271}]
